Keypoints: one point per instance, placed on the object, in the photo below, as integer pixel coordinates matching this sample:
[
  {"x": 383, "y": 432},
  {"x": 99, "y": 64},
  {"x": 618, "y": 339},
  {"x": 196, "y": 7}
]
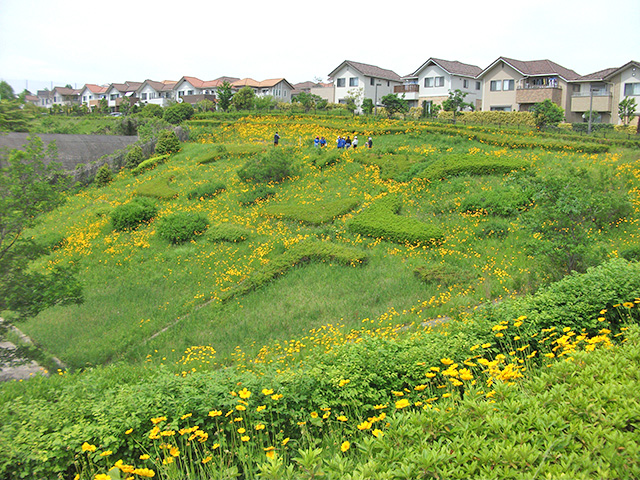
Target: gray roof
[
  {"x": 370, "y": 71},
  {"x": 453, "y": 67},
  {"x": 534, "y": 68}
]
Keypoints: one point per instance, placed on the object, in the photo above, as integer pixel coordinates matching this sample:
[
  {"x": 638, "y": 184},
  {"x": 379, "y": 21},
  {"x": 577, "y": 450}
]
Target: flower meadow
[{"x": 409, "y": 311}]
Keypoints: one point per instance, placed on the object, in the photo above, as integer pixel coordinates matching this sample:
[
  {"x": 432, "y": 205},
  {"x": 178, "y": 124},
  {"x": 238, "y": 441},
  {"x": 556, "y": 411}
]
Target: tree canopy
[
  {"x": 455, "y": 102},
  {"x": 394, "y": 104},
  {"x": 547, "y": 113},
  {"x": 224, "y": 94}
]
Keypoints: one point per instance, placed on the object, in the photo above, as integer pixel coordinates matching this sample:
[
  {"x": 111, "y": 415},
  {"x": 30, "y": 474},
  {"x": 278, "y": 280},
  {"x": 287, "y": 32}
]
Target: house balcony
[
  {"x": 537, "y": 94},
  {"x": 410, "y": 91},
  {"x": 602, "y": 101}
]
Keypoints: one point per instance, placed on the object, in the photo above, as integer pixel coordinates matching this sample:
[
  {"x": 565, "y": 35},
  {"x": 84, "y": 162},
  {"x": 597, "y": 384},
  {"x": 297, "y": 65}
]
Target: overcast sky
[{"x": 55, "y": 42}]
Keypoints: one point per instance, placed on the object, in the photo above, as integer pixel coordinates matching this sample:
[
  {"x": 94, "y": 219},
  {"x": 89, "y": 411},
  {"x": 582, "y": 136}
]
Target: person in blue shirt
[
  {"x": 316, "y": 142},
  {"x": 323, "y": 142}
]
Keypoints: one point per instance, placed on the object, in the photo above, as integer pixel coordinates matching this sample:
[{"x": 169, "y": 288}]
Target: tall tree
[
  {"x": 6, "y": 91},
  {"x": 13, "y": 117},
  {"x": 547, "y": 113},
  {"x": 224, "y": 94},
  {"x": 455, "y": 103}
]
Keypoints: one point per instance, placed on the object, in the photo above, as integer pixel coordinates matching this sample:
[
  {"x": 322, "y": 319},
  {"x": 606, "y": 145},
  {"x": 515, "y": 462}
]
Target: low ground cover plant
[
  {"x": 206, "y": 191},
  {"x": 273, "y": 166},
  {"x": 157, "y": 188},
  {"x": 312, "y": 213},
  {"x": 228, "y": 232},
  {"x": 149, "y": 164}
]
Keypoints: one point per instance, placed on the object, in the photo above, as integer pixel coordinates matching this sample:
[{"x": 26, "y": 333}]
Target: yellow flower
[
  {"x": 380, "y": 407},
  {"x": 157, "y": 420},
  {"x": 261, "y": 408},
  {"x": 446, "y": 395},
  {"x": 435, "y": 369},
  {"x": 241, "y": 430},
  {"x": 345, "y": 446},
  {"x": 474, "y": 347},
  {"x": 430, "y": 375},
  {"x": 364, "y": 425},
  {"x": 245, "y": 438},
  {"x": 186, "y": 415},
  {"x": 87, "y": 447},
  {"x": 128, "y": 431},
  {"x": 270, "y": 454},
  {"x": 403, "y": 403},
  {"x": 277, "y": 396},
  {"x": 215, "y": 413},
  {"x": 207, "y": 459},
  {"x": 285, "y": 441},
  {"x": 267, "y": 391},
  {"x": 144, "y": 472},
  {"x": 314, "y": 414},
  {"x": 241, "y": 407},
  {"x": 215, "y": 445},
  {"x": 102, "y": 476},
  {"x": 174, "y": 451},
  {"x": 343, "y": 383},
  {"x": 486, "y": 345},
  {"x": 106, "y": 453},
  {"x": 144, "y": 457},
  {"x": 499, "y": 334},
  {"x": 342, "y": 418},
  {"x": 447, "y": 361},
  {"x": 244, "y": 394},
  {"x": 378, "y": 433},
  {"x": 419, "y": 388},
  {"x": 260, "y": 426}
]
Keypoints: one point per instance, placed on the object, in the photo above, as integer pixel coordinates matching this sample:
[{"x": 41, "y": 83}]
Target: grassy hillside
[{"x": 322, "y": 288}]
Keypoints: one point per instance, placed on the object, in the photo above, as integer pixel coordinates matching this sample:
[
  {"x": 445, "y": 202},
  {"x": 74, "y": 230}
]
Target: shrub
[
  {"x": 631, "y": 254},
  {"x": 494, "y": 228},
  {"x": 259, "y": 193},
  {"x": 269, "y": 167},
  {"x": 208, "y": 190},
  {"x": 168, "y": 143},
  {"x": 218, "y": 152},
  {"x": 129, "y": 215},
  {"x": 381, "y": 220},
  {"x": 443, "y": 274},
  {"x": 454, "y": 165},
  {"x": 104, "y": 175},
  {"x": 151, "y": 110},
  {"x": 182, "y": 226},
  {"x": 178, "y": 113},
  {"x": 134, "y": 157},
  {"x": 228, "y": 232},
  {"x": 500, "y": 202},
  {"x": 149, "y": 164},
  {"x": 157, "y": 188}
]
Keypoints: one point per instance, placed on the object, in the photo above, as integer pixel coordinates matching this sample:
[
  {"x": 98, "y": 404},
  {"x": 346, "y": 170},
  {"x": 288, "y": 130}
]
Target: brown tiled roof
[
  {"x": 67, "y": 91},
  {"x": 159, "y": 86},
  {"x": 95, "y": 88},
  {"x": 599, "y": 75},
  {"x": 246, "y": 82},
  {"x": 226, "y": 79},
  {"x": 458, "y": 68},
  {"x": 541, "y": 67},
  {"x": 371, "y": 71}
]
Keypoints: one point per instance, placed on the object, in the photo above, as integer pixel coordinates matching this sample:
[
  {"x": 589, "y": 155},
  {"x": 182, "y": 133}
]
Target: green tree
[
  {"x": 308, "y": 100},
  {"x": 6, "y": 91},
  {"x": 205, "y": 105},
  {"x": 243, "y": 100},
  {"x": 367, "y": 106},
  {"x": 265, "y": 103},
  {"x": 354, "y": 99},
  {"x": 570, "y": 212},
  {"x": 167, "y": 142},
  {"x": 178, "y": 113},
  {"x": 13, "y": 117},
  {"x": 151, "y": 110},
  {"x": 224, "y": 94},
  {"x": 31, "y": 183},
  {"x": 547, "y": 113},
  {"x": 103, "y": 106},
  {"x": 104, "y": 175},
  {"x": 394, "y": 104},
  {"x": 455, "y": 103},
  {"x": 627, "y": 109}
]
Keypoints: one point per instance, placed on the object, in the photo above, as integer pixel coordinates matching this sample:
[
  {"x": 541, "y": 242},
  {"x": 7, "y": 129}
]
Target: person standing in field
[
  {"x": 347, "y": 142},
  {"x": 276, "y": 138},
  {"x": 323, "y": 142},
  {"x": 355, "y": 142},
  {"x": 316, "y": 142},
  {"x": 369, "y": 143}
]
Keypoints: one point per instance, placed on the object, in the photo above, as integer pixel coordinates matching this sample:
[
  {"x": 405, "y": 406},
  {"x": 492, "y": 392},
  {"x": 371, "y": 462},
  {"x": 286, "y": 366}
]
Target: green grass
[{"x": 137, "y": 285}]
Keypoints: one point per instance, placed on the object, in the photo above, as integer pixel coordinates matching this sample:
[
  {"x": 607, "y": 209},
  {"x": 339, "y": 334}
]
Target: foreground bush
[
  {"x": 130, "y": 215},
  {"x": 168, "y": 143},
  {"x": 182, "y": 226},
  {"x": 272, "y": 166},
  {"x": 207, "y": 190}
]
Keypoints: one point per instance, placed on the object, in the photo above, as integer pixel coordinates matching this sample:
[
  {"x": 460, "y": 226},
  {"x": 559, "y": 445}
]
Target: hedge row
[
  {"x": 381, "y": 220},
  {"x": 314, "y": 214},
  {"x": 150, "y": 163},
  {"x": 492, "y": 118},
  {"x": 454, "y": 165}
]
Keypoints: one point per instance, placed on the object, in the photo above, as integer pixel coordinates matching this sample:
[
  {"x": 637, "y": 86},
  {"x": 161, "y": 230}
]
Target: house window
[
  {"x": 500, "y": 109},
  {"x": 113, "y": 96},
  {"x": 372, "y": 81},
  {"x": 143, "y": 96},
  {"x": 631, "y": 89},
  {"x": 575, "y": 88},
  {"x": 353, "y": 82},
  {"x": 388, "y": 83},
  {"x": 190, "y": 92},
  {"x": 465, "y": 83},
  {"x": 340, "y": 82},
  {"x": 428, "y": 82},
  {"x": 496, "y": 85},
  {"x": 439, "y": 82},
  {"x": 478, "y": 85},
  {"x": 84, "y": 98},
  {"x": 508, "y": 85}
]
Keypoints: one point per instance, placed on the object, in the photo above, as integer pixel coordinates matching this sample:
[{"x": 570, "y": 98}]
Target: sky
[{"x": 48, "y": 43}]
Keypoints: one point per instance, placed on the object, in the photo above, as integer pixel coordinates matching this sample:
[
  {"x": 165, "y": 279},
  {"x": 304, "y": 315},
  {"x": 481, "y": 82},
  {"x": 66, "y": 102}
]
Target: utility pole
[{"x": 590, "y": 108}]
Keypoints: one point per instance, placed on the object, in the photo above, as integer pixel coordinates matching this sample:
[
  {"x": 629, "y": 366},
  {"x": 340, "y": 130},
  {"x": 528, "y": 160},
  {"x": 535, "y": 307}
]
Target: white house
[
  {"x": 65, "y": 96},
  {"x": 353, "y": 77},
  {"x": 117, "y": 91},
  {"x": 159, "y": 93},
  {"x": 434, "y": 79},
  {"x": 278, "y": 88},
  {"x": 91, "y": 94}
]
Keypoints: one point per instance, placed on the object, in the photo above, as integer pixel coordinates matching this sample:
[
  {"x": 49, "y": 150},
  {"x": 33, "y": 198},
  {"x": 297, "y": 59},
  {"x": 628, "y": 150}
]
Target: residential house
[
  {"x": 373, "y": 82},
  {"x": 32, "y": 99},
  {"x": 516, "y": 85},
  {"x": 116, "y": 92},
  {"x": 278, "y": 88},
  {"x": 90, "y": 95},
  {"x": 159, "y": 93},
  {"x": 431, "y": 83},
  {"x": 322, "y": 90},
  {"x": 64, "y": 96},
  {"x": 192, "y": 89},
  {"x": 45, "y": 98}
]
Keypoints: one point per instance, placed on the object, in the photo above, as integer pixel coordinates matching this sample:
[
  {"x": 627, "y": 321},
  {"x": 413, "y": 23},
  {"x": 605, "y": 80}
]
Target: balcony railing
[
  {"x": 412, "y": 87},
  {"x": 596, "y": 93}
]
